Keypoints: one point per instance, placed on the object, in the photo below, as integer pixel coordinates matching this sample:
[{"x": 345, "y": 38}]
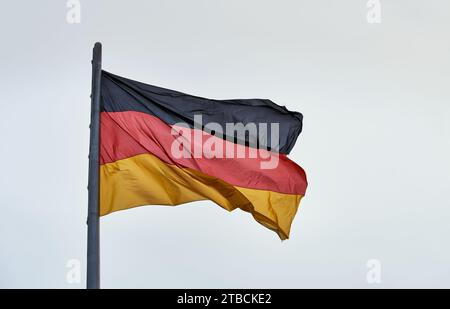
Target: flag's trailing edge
[{"x": 140, "y": 123}]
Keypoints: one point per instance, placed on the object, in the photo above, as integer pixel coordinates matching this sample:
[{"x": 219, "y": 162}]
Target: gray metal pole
[{"x": 93, "y": 221}]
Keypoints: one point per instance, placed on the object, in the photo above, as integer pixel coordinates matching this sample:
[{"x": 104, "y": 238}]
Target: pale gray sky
[{"x": 375, "y": 145}]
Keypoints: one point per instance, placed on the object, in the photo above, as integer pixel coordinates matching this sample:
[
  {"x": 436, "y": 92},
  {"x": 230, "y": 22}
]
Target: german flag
[{"x": 163, "y": 147}]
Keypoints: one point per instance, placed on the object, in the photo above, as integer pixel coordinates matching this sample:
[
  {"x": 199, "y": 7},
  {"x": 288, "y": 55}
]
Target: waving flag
[{"x": 163, "y": 147}]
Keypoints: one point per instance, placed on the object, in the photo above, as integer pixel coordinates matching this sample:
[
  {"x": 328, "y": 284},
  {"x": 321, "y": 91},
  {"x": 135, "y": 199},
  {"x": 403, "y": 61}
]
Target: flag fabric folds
[{"x": 154, "y": 151}]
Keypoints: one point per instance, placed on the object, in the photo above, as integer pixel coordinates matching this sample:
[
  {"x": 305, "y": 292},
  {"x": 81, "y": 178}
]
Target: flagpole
[{"x": 93, "y": 220}]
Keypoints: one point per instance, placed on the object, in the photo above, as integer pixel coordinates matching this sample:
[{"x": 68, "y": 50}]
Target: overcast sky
[{"x": 375, "y": 145}]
